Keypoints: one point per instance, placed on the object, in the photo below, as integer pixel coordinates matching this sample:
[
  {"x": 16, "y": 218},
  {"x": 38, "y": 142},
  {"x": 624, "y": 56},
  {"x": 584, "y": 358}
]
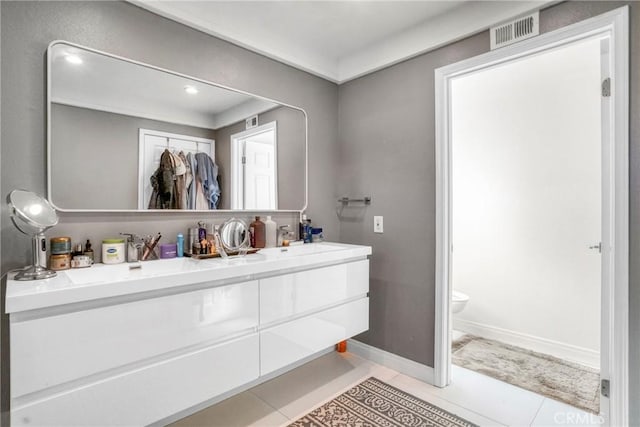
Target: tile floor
[{"x": 475, "y": 397}]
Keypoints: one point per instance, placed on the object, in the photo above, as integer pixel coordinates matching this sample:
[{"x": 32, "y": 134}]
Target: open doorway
[
  {"x": 532, "y": 205},
  {"x": 526, "y": 222}
]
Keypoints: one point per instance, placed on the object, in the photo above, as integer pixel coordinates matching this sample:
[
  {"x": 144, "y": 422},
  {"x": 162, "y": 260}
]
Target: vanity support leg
[{"x": 341, "y": 347}]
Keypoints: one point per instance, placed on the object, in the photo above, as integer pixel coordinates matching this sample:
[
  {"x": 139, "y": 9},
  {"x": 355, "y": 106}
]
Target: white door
[
  {"x": 254, "y": 183},
  {"x": 259, "y": 173}
]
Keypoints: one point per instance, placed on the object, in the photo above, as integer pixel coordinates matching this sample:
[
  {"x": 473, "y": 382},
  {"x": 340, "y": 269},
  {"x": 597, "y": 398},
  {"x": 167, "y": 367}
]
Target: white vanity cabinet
[
  {"x": 303, "y": 313},
  {"x": 109, "y": 347},
  {"x": 132, "y": 362}
]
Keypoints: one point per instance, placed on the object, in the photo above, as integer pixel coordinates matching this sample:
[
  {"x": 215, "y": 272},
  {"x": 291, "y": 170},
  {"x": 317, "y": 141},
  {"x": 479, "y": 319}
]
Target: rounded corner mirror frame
[{"x": 49, "y": 52}]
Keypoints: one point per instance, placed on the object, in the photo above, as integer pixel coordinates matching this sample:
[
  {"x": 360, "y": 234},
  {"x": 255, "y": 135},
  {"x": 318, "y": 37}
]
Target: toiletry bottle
[
  {"x": 303, "y": 222},
  {"x": 77, "y": 250},
  {"x": 193, "y": 239},
  {"x": 180, "y": 244},
  {"x": 307, "y": 231},
  {"x": 211, "y": 240},
  {"x": 202, "y": 231},
  {"x": 258, "y": 235},
  {"x": 271, "y": 233},
  {"x": 88, "y": 251}
]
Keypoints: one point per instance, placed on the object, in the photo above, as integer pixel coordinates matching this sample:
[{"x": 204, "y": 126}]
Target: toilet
[{"x": 458, "y": 301}]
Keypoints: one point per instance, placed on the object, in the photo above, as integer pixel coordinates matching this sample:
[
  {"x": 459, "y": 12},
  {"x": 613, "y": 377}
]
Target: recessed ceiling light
[
  {"x": 73, "y": 59},
  {"x": 190, "y": 90}
]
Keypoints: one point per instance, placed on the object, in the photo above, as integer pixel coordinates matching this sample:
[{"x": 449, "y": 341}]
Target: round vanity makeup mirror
[
  {"x": 32, "y": 215},
  {"x": 234, "y": 234}
]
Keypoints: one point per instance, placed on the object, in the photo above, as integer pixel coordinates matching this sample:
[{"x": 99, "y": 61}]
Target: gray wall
[
  {"x": 96, "y": 156},
  {"x": 386, "y": 131},
  {"x": 290, "y": 130},
  {"x": 126, "y": 30},
  {"x": 387, "y": 134}
]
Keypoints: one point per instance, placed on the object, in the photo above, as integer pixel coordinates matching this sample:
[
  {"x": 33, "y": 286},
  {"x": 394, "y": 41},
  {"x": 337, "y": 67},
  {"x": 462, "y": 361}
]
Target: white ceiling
[{"x": 340, "y": 40}]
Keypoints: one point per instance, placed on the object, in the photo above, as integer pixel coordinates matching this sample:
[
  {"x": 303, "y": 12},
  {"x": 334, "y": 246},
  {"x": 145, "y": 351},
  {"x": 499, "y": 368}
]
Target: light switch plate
[{"x": 378, "y": 224}]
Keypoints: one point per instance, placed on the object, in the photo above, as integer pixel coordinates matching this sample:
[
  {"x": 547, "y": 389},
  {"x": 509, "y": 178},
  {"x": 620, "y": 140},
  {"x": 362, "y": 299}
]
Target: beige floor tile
[
  {"x": 424, "y": 391},
  {"x": 492, "y": 398},
  {"x": 299, "y": 391},
  {"x": 554, "y": 413},
  {"x": 241, "y": 410}
]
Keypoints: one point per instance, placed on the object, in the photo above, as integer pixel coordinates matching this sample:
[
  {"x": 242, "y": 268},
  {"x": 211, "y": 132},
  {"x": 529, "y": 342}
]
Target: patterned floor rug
[
  {"x": 375, "y": 403},
  {"x": 549, "y": 376}
]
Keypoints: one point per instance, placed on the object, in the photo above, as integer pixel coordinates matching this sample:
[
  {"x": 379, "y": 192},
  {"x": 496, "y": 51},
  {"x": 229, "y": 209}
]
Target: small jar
[
  {"x": 112, "y": 251},
  {"x": 168, "y": 250},
  {"x": 81, "y": 261},
  {"x": 316, "y": 235},
  {"x": 60, "y": 245},
  {"x": 60, "y": 262}
]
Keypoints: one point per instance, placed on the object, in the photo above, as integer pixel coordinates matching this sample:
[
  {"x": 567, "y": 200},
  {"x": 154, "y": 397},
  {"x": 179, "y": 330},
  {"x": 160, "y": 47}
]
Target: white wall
[{"x": 526, "y": 201}]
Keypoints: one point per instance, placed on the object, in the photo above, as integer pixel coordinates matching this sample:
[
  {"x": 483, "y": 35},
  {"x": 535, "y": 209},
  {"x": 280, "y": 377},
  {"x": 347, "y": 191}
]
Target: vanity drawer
[
  {"x": 146, "y": 395},
  {"x": 286, "y": 343},
  {"x": 52, "y": 350},
  {"x": 294, "y": 294}
]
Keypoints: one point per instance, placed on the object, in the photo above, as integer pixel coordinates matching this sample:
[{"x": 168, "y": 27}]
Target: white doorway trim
[{"x": 613, "y": 25}]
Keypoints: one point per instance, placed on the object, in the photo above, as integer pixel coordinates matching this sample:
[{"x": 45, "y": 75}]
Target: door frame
[{"x": 615, "y": 301}]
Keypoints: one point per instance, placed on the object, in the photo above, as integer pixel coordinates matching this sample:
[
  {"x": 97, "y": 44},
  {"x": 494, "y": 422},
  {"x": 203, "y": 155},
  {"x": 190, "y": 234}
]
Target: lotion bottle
[
  {"x": 180, "y": 245},
  {"x": 271, "y": 233}
]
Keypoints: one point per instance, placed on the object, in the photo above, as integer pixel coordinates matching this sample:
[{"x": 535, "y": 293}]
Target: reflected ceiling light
[
  {"x": 73, "y": 59},
  {"x": 191, "y": 90},
  {"x": 34, "y": 209}
]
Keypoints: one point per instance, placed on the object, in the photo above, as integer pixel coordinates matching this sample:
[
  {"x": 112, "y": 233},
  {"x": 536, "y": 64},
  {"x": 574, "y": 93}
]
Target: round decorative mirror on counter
[
  {"x": 32, "y": 215},
  {"x": 234, "y": 235}
]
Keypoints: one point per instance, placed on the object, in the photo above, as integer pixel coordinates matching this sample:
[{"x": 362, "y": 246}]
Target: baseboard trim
[
  {"x": 564, "y": 351},
  {"x": 392, "y": 361}
]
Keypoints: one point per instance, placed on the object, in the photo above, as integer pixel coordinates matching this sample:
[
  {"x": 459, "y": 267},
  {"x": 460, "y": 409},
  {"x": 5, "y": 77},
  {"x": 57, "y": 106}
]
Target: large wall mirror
[{"x": 128, "y": 136}]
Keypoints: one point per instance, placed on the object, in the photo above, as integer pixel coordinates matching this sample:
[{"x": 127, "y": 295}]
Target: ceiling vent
[{"x": 515, "y": 30}]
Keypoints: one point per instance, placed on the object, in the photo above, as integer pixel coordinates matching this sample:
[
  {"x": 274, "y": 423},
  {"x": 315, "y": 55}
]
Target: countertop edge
[{"x": 38, "y": 297}]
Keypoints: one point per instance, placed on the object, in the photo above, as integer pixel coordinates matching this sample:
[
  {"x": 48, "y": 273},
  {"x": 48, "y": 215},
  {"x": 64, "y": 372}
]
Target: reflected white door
[
  {"x": 260, "y": 172},
  {"x": 254, "y": 165}
]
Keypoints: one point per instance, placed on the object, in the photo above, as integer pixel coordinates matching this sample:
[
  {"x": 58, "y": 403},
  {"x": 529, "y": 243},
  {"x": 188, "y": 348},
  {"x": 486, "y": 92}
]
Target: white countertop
[{"x": 105, "y": 281}]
